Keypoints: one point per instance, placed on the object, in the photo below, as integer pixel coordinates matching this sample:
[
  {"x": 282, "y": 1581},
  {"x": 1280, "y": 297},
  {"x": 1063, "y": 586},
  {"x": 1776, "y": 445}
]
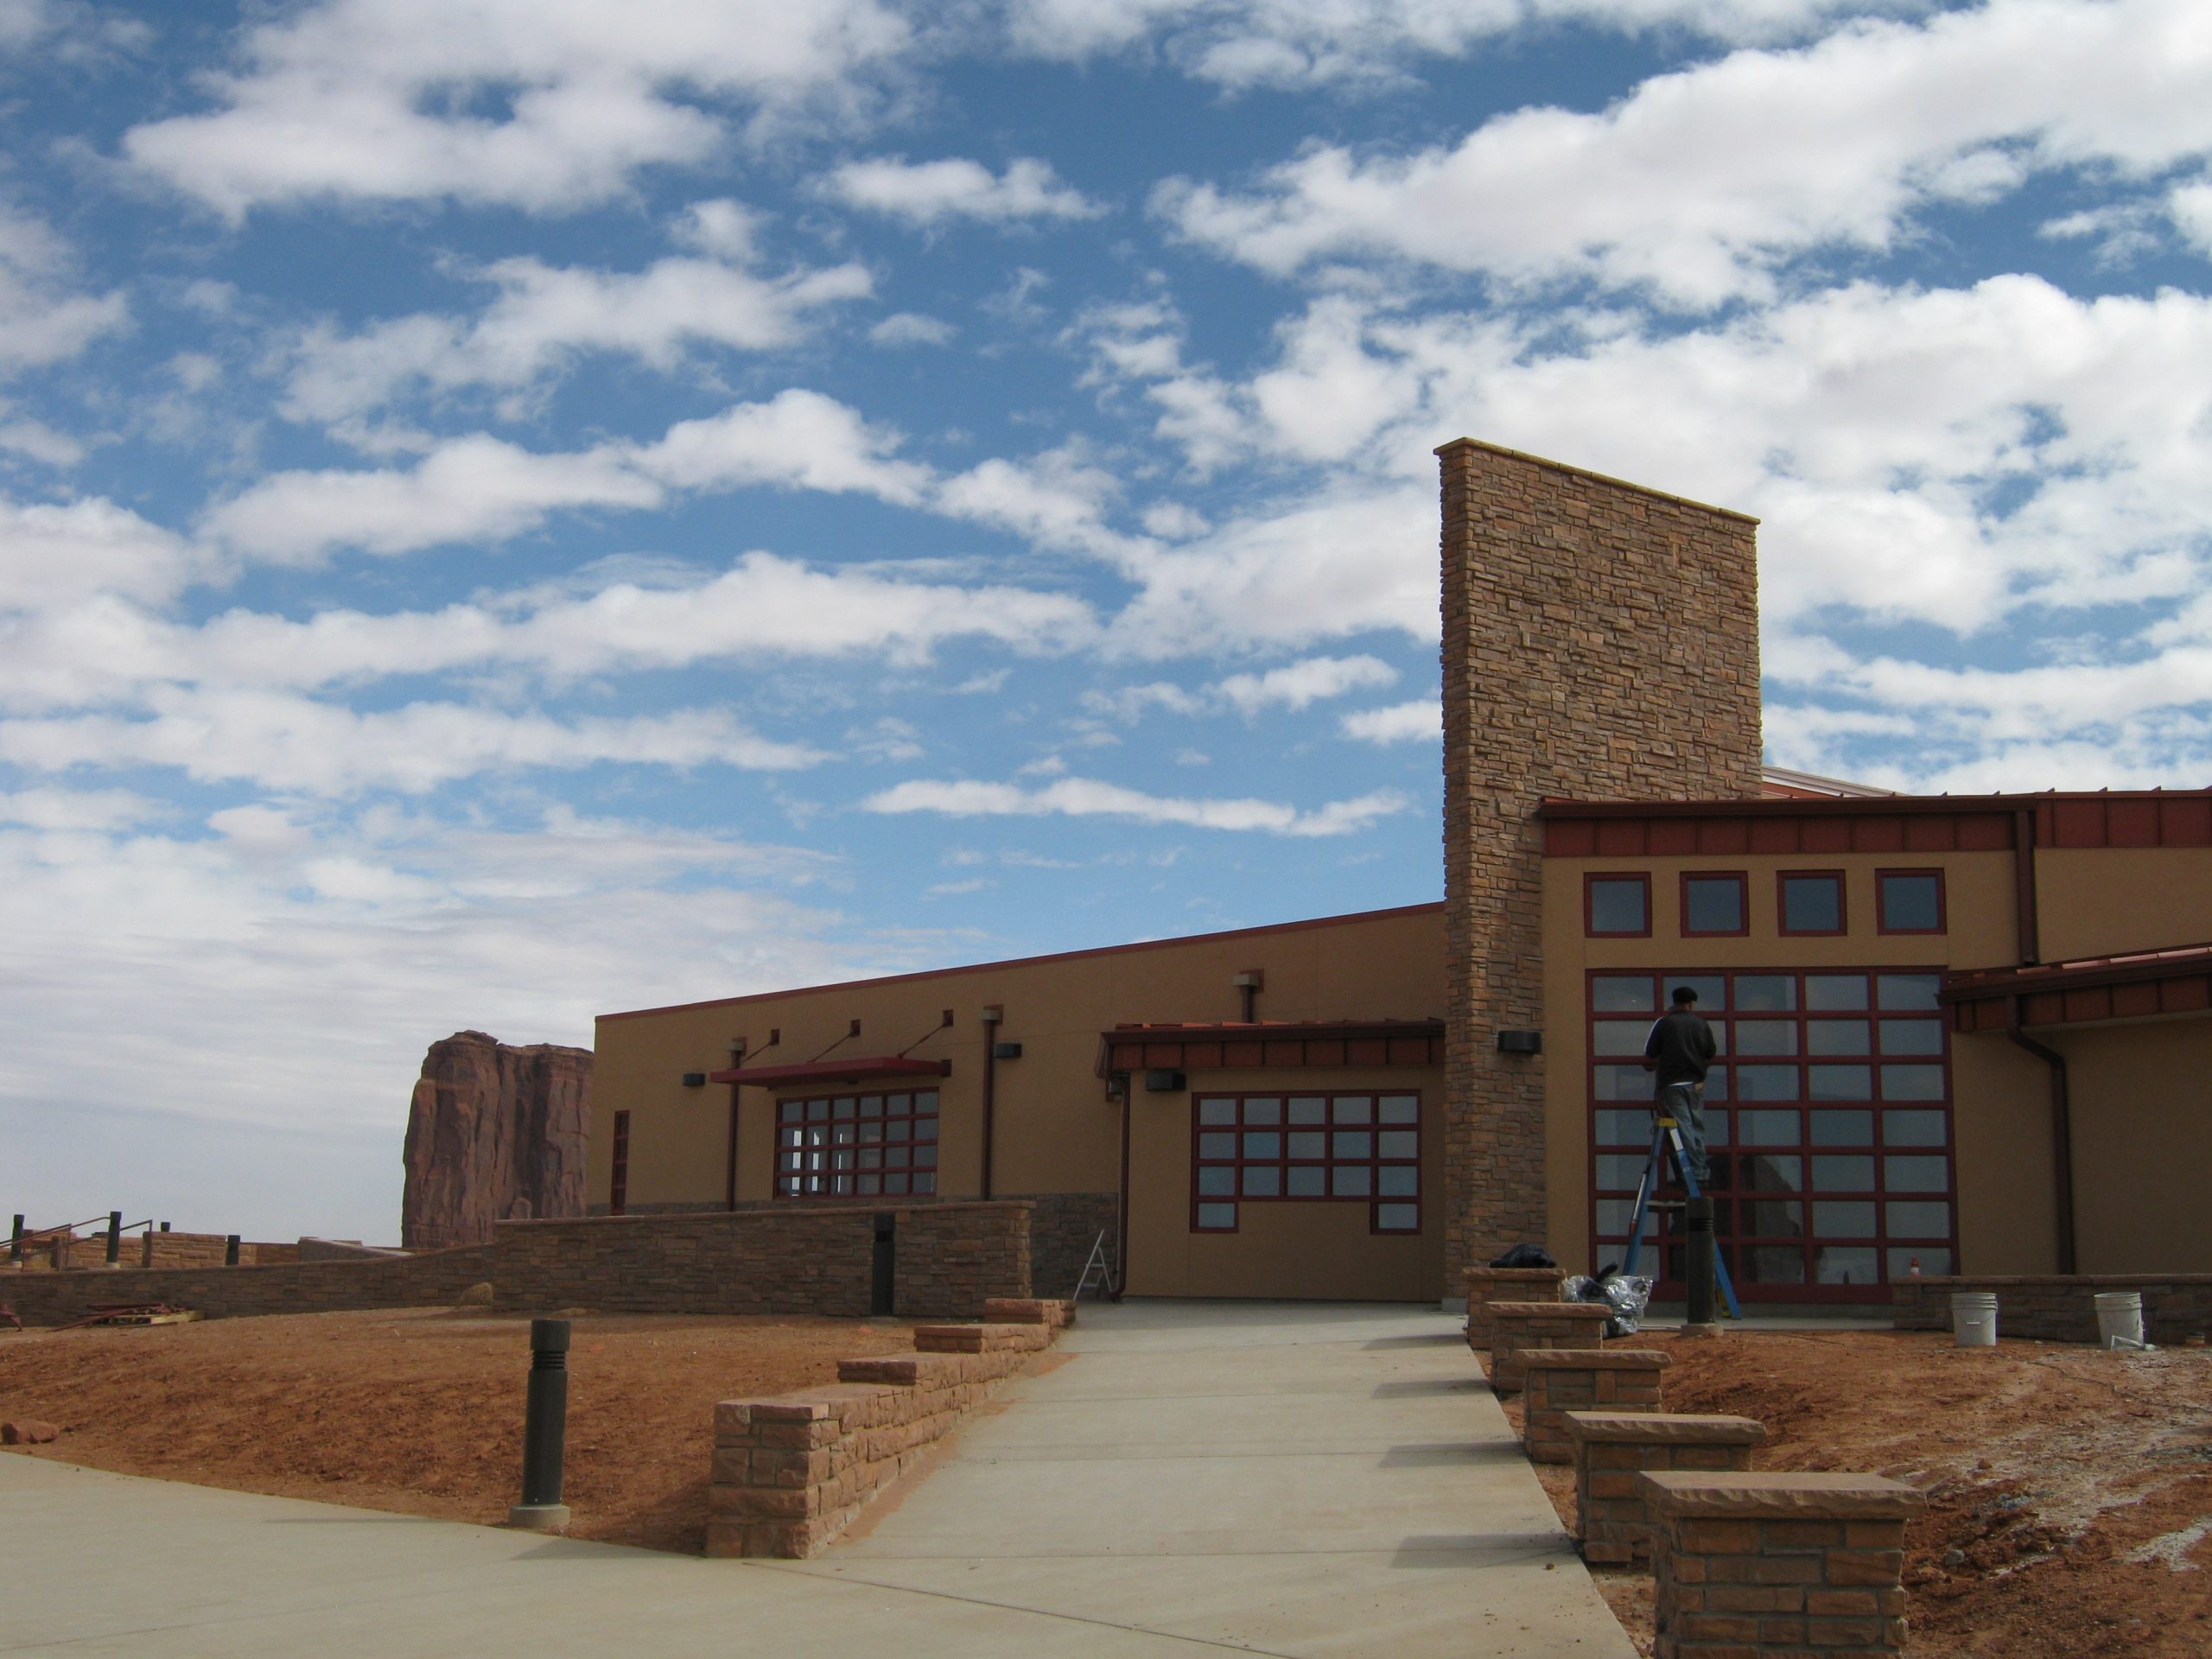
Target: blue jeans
[{"x": 1685, "y": 1103}]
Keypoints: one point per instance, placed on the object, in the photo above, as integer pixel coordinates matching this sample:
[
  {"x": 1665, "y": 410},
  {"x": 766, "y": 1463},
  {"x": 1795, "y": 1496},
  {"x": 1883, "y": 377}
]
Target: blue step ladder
[{"x": 1667, "y": 1142}]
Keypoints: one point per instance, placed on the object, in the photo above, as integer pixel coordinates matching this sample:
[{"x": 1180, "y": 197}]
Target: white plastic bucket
[
  {"x": 1973, "y": 1318},
  {"x": 2120, "y": 1314}
]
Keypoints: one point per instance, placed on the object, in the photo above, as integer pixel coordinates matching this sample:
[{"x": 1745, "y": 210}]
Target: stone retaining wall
[
  {"x": 1516, "y": 1327},
  {"x": 1612, "y": 1448},
  {"x": 790, "y": 1473},
  {"x": 1559, "y": 1380},
  {"x": 434, "y": 1279},
  {"x": 1487, "y": 1284},
  {"x": 2061, "y": 1308},
  {"x": 1063, "y": 1226}
]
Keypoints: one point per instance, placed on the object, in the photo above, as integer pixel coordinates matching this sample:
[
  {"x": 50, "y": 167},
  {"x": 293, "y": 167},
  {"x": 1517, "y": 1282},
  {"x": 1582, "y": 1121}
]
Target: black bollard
[
  {"x": 115, "y": 1238},
  {"x": 15, "y": 1244},
  {"x": 545, "y": 1430},
  {"x": 1699, "y": 1214},
  {"x": 230, "y": 1250}
]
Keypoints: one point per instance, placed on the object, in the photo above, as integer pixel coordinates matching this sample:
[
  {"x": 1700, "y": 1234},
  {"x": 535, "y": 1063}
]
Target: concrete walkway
[{"x": 1289, "y": 1479}]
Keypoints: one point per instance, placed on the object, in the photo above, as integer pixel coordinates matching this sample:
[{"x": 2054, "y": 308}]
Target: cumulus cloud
[
  {"x": 44, "y": 317},
  {"x": 1419, "y": 722},
  {"x": 1296, "y": 685},
  {"x": 1090, "y": 797},
  {"x": 1700, "y": 183},
  {"x": 929, "y": 193},
  {"x": 512, "y": 102},
  {"x": 911, "y": 328}
]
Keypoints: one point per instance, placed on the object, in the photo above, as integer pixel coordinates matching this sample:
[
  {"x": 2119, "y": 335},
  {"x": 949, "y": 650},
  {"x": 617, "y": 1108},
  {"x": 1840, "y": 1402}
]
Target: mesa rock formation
[{"x": 495, "y": 1132}]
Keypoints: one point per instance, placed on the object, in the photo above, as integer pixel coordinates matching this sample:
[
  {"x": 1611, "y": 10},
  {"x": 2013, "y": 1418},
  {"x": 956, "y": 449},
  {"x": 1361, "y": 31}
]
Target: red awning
[
  {"x": 858, "y": 1068},
  {"x": 2177, "y": 980}
]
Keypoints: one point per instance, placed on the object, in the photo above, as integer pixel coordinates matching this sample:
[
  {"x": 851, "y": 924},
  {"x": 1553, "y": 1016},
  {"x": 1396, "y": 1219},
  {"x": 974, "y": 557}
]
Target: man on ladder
[{"x": 1680, "y": 1050}]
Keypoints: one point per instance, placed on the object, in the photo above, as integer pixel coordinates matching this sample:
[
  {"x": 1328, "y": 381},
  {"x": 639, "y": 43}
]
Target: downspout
[
  {"x": 992, "y": 1013},
  {"x": 1122, "y": 1214},
  {"x": 729, "y": 1178},
  {"x": 2027, "y": 933},
  {"x": 2062, "y": 1130}
]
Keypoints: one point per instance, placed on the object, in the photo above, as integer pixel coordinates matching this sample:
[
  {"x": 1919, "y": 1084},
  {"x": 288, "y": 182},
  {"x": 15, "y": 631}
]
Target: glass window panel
[
  {"x": 1843, "y": 1128},
  {"x": 1844, "y": 1264},
  {"x": 1912, "y": 1128},
  {"x": 1766, "y": 1128},
  {"x": 1397, "y": 1217},
  {"x": 1838, "y": 1173},
  {"x": 871, "y": 1158},
  {"x": 1621, "y": 1082},
  {"x": 1839, "y": 1082},
  {"x": 1928, "y": 1259},
  {"x": 1712, "y": 989},
  {"x": 845, "y": 1134},
  {"x": 1308, "y": 1143},
  {"x": 1354, "y": 1143},
  {"x": 1912, "y": 1037},
  {"x": 1766, "y": 1172},
  {"x": 1309, "y": 1109},
  {"x": 926, "y": 1101},
  {"x": 1851, "y": 1220},
  {"x": 925, "y": 1157},
  {"x": 1773, "y": 1218},
  {"x": 818, "y": 1111},
  {"x": 1619, "y": 1171},
  {"x": 841, "y": 1160},
  {"x": 1611, "y": 1037},
  {"x": 870, "y": 1183},
  {"x": 793, "y": 1160},
  {"x": 925, "y": 1128},
  {"x": 1716, "y": 1124},
  {"x": 1765, "y": 1037},
  {"x": 1216, "y": 1144},
  {"x": 1772, "y": 1264},
  {"x": 1349, "y": 1180},
  {"x": 1621, "y": 994},
  {"x": 1617, "y": 1127},
  {"x": 1765, "y": 993},
  {"x": 1713, "y": 903},
  {"x": 845, "y": 1106},
  {"x": 1766, "y": 1082},
  {"x": 1354, "y": 1109},
  {"x": 1217, "y": 1215},
  {"x": 1915, "y": 1172},
  {"x": 1719, "y": 1029},
  {"x": 1399, "y": 1109},
  {"x": 1835, "y": 993},
  {"x": 1916, "y": 1218},
  {"x": 1262, "y": 1181},
  {"x": 925, "y": 1182},
  {"x": 1614, "y": 1216},
  {"x": 1263, "y": 1143},
  {"x": 1617, "y": 904},
  {"x": 791, "y": 1110},
  {"x": 871, "y": 1132},
  {"x": 1214, "y": 1110},
  {"x": 1837, "y": 1036},
  {"x": 898, "y": 1158},
  {"x": 1912, "y": 1083},
  {"x": 1910, "y": 993},
  {"x": 1307, "y": 1181},
  {"x": 1716, "y": 1085},
  {"x": 1912, "y": 903},
  {"x": 1397, "y": 1143},
  {"x": 1397, "y": 1181},
  {"x": 896, "y": 1182},
  {"x": 1812, "y": 904},
  {"x": 872, "y": 1105},
  {"x": 1265, "y": 1110}
]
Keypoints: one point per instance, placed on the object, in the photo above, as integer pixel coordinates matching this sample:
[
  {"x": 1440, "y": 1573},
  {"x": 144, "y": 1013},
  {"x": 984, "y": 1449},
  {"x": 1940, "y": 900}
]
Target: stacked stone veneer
[
  {"x": 1556, "y": 1381},
  {"x": 434, "y": 1279},
  {"x": 2056, "y": 1308},
  {"x": 1518, "y": 1328},
  {"x": 1487, "y": 1284},
  {"x": 1600, "y": 640},
  {"x": 1751, "y": 1565},
  {"x": 790, "y": 1473},
  {"x": 1611, "y": 1449}
]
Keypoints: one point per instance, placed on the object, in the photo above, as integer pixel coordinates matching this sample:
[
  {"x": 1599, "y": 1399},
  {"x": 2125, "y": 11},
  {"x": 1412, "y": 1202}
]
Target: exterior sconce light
[
  {"x": 1006, "y": 1051},
  {"x": 694, "y": 1079},
  {"x": 1164, "y": 1082},
  {"x": 1520, "y": 1042}
]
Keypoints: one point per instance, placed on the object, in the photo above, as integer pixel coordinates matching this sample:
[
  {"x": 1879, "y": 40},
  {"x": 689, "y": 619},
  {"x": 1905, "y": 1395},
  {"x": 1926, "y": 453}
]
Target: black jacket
[{"x": 1680, "y": 1047}]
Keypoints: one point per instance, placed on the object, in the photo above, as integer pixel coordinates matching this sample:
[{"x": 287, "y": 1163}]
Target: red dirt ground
[
  {"x": 422, "y": 1411},
  {"x": 2070, "y": 1490}
]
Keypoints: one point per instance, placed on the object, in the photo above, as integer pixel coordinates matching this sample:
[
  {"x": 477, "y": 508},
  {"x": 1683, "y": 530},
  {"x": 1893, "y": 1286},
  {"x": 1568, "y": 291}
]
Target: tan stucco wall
[
  {"x": 1055, "y": 1131},
  {"x": 2100, "y": 901},
  {"x": 2142, "y": 1119}
]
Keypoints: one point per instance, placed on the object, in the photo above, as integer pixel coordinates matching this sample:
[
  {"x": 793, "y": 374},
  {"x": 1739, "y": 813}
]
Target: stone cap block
[
  {"x": 1512, "y": 1275},
  {"x": 1661, "y": 1427},
  {"x": 1596, "y": 1359},
  {"x": 1778, "y": 1496},
  {"x": 1597, "y": 1311}
]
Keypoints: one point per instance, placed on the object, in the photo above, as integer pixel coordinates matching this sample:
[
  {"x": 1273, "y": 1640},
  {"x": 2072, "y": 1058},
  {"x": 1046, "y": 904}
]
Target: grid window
[
  {"x": 1908, "y": 901},
  {"x": 1362, "y": 1148},
  {"x": 857, "y": 1146},
  {"x": 1828, "y": 1129},
  {"x": 1812, "y": 901},
  {"x": 1618, "y": 906},
  {"x": 1713, "y": 904}
]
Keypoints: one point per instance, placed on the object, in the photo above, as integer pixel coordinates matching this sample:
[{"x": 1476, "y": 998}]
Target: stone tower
[{"x": 1601, "y": 641}]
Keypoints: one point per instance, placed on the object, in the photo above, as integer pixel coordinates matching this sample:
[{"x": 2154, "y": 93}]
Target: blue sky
[{"x": 513, "y": 509}]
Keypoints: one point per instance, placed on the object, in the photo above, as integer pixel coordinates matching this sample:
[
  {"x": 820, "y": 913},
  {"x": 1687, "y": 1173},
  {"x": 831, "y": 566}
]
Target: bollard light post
[
  {"x": 115, "y": 1238},
  {"x": 1699, "y": 1267},
  {"x": 230, "y": 1250},
  {"x": 545, "y": 1430},
  {"x": 15, "y": 1244}
]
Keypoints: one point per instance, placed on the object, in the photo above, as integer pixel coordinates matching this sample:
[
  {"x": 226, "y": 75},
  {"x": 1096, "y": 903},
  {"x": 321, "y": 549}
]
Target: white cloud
[
  {"x": 930, "y": 193},
  {"x": 1056, "y": 500},
  {"x": 76, "y": 809},
  {"x": 1419, "y": 722},
  {"x": 911, "y": 328},
  {"x": 42, "y": 318},
  {"x": 1297, "y": 685},
  {"x": 1701, "y": 182},
  {"x": 1089, "y": 798},
  {"x": 797, "y": 439},
  {"x": 56, "y": 555},
  {"x": 544, "y": 107}
]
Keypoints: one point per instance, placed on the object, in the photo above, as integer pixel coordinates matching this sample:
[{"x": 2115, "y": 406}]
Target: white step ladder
[{"x": 1098, "y": 1273}]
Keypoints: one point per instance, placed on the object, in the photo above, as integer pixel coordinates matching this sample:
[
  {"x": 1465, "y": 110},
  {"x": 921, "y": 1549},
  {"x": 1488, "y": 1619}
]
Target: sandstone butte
[{"x": 495, "y": 1132}]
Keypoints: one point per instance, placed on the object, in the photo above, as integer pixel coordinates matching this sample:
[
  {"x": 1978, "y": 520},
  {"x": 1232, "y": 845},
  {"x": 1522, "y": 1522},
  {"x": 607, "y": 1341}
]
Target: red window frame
[
  {"x": 1742, "y": 878},
  {"x": 821, "y": 1156},
  {"x": 1782, "y": 880},
  {"x": 1374, "y": 1161},
  {"x": 1590, "y": 880},
  {"x": 1882, "y": 904},
  {"x": 618, "y": 1189}
]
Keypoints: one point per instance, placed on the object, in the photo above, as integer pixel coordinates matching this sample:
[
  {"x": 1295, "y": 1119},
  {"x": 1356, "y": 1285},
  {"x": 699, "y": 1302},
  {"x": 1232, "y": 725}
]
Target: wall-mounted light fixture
[
  {"x": 694, "y": 1079},
  {"x": 1006, "y": 1051},
  {"x": 1164, "y": 1082},
  {"x": 1520, "y": 1042}
]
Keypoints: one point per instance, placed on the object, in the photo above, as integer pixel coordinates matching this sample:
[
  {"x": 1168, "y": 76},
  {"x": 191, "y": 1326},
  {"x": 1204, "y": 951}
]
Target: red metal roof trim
[
  {"x": 862, "y": 1068},
  {"x": 1270, "y": 1042},
  {"x": 2176, "y": 980}
]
